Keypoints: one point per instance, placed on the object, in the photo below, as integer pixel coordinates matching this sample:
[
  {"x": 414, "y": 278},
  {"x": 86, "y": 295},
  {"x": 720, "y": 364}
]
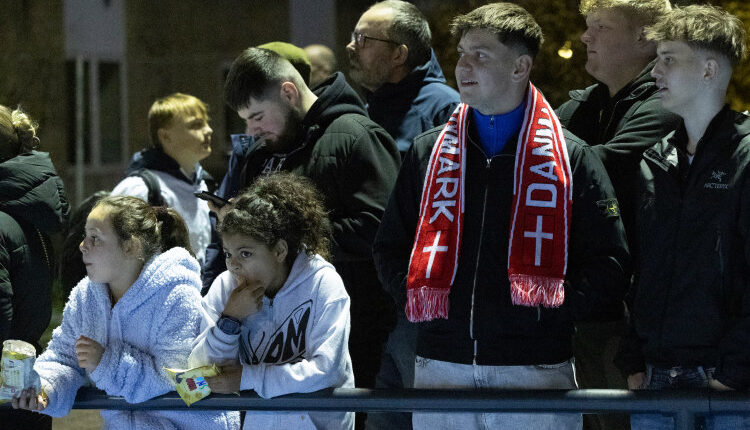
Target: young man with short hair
[
  {"x": 502, "y": 230},
  {"x": 325, "y": 135},
  {"x": 619, "y": 116},
  {"x": 691, "y": 300},
  {"x": 180, "y": 139}
]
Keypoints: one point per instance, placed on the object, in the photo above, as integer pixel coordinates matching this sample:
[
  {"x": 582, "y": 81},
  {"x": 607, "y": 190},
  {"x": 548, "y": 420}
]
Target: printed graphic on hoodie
[{"x": 286, "y": 344}]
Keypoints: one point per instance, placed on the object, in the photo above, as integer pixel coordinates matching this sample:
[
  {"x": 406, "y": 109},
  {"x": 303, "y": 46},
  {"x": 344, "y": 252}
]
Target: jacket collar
[
  {"x": 633, "y": 90},
  {"x": 427, "y": 73},
  {"x": 157, "y": 159}
]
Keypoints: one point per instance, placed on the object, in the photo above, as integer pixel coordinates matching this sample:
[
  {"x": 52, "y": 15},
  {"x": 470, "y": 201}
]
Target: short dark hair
[
  {"x": 703, "y": 27},
  {"x": 254, "y": 73},
  {"x": 410, "y": 27},
  {"x": 513, "y": 25}
]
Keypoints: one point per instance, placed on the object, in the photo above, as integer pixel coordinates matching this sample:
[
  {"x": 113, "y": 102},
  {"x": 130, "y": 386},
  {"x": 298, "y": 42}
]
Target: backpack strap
[{"x": 152, "y": 183}]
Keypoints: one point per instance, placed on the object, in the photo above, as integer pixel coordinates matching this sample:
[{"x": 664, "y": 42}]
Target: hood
[
  {"x": 428, "y": 73},
  {"x": 304, "y": 267},
  {"x": 156, "y": 159},
  {"x": 31, "y": 191},
  {"x": 641, "y": 83},
  {"x": 163, "y": 271},
  {"x": 335, "y": 98}
]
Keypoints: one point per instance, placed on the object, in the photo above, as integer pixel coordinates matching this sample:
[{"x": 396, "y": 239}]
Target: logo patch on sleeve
[{"x": 609, "y": 207}]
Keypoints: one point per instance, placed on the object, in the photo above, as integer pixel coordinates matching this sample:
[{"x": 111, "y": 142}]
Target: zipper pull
[
  {"x": 489, "y": 161},
  {"x": 492, "y": 121}
]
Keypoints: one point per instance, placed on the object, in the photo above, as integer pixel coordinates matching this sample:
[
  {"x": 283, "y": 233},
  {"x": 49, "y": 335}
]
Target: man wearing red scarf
[{"x": 502, "y": 231}]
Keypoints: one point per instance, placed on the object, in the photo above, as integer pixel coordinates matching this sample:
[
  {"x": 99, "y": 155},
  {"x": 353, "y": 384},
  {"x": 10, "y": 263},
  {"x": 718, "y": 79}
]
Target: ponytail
[
  {"x": 157, "y": 228},
  {"x": 172, "y": 229}
]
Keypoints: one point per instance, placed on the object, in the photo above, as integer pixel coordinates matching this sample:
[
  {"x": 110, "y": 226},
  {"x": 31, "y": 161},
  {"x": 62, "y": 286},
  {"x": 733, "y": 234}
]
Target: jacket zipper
[
  {"x": 721, "y": 260},
  {"x": 476, "y": 263}
]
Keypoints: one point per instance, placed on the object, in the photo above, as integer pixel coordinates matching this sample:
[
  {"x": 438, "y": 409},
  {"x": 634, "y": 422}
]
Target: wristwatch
[{"x": 229, "y": 325}]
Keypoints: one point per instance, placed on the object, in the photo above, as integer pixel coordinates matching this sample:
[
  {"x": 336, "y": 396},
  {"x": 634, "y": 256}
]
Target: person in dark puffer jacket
[
  {"x": 33, "y": 205},
  {"x": 619, "y": 116}
]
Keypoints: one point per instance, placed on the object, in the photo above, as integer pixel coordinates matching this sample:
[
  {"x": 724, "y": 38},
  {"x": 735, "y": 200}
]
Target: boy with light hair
[
  {"x": 168, "y": 171},
  {"x": 690, "y": 318}
]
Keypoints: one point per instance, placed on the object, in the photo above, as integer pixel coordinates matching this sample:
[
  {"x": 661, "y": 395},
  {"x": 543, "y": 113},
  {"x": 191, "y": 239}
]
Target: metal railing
[{"x": 684, "y": 406}]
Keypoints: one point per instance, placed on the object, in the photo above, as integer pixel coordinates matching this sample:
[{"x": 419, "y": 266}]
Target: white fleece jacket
[
  {"x": 297, "y": 343},
  {"x": 152, "y": 326},
  {"x": 178, "y": 194}
]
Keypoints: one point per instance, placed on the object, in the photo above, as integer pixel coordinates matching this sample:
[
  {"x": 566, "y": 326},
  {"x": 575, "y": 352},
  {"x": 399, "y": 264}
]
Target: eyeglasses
[{"x": 359, "y": 39}]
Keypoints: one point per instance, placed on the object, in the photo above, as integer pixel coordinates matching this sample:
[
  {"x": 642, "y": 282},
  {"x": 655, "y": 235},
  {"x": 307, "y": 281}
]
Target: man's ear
[
  {"x": 711, "y": 69},
  {"x": 400, "y": 55},
  {"x": 643, "y": 44},
  {"x": 280, "y": 250},
  {"x": 289, "y": 92},
  {"x": 163, "y": 135},
  {"x": 522, "y": 68}
]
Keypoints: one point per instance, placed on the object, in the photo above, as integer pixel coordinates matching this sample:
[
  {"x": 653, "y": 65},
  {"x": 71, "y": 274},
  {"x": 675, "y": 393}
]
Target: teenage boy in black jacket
[
  {"x": 481, "y": 330},
  {"x": 619, "y": 116},
  {"x": 690, "y": 309}
]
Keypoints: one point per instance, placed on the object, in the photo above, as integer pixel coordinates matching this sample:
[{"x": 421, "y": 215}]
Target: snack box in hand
[{"x": 191, "y": 384}]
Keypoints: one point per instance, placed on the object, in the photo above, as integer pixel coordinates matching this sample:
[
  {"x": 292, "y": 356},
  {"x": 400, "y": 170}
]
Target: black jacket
[
  {"x": 419, "y": 102},
  {"x": 691, "y": 300},
  {"x": 351, "y": 160},
  {"x": 619, "y": 129},
  {"x": 483, "y": 326},
  {"x": 33, "y": 205}
]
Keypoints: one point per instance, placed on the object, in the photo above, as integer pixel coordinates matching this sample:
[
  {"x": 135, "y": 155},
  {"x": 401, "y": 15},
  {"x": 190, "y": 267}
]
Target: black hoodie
[
  {"x": 33, "y": 205},
  {"x": 351, "y": 160}
]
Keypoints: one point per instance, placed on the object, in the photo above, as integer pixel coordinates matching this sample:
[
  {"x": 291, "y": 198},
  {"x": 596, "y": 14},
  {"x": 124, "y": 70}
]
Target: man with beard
[{"x": 326, "y": 136}]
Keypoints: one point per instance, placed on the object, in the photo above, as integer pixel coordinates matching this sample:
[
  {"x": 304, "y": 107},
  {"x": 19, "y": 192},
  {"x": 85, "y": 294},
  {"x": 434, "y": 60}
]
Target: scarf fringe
[
  {"x": 425, "y": 304},
  {"x": 532, "y": 290}
]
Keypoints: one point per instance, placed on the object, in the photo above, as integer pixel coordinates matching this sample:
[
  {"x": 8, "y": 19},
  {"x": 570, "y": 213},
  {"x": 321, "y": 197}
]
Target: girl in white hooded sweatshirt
[
  {"x": 136, "y": 312},
  {"x": 277, "y": 320}
]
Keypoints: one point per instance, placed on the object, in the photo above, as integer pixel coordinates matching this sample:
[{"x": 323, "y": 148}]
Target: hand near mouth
[{"x": 245, "y": 300}]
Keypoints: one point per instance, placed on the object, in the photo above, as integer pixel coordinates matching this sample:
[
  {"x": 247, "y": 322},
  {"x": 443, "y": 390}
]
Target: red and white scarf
[{"x": 540, "y": 221}]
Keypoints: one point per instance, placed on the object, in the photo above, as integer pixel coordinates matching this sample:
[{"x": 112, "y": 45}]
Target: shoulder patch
[{"x": 609, "y": 207}]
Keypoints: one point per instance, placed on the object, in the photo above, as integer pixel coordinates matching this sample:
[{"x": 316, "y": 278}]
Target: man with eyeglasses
[{"x": 391, "y": 59}]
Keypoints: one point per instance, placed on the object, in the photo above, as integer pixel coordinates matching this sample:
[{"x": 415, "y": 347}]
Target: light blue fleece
[{"x": 151, "y": 327}]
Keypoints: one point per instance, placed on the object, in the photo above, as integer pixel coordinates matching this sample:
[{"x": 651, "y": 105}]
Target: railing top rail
[{"x": 363, "y": 400}]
